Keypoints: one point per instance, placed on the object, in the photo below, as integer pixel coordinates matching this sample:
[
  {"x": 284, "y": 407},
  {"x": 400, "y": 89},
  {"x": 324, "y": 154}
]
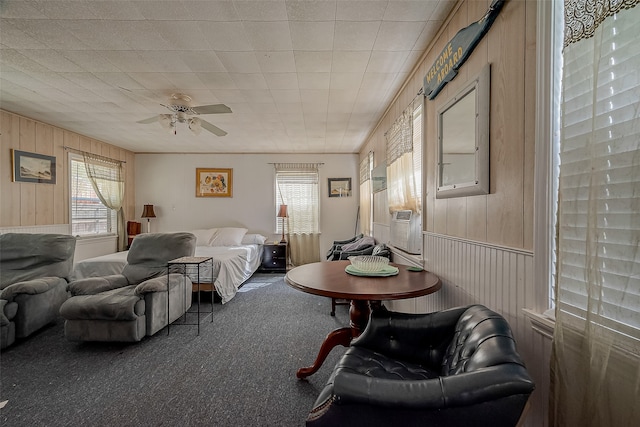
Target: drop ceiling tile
[
  {"x": 265, "y": 10},
  {"x": 407, "y": 11},
  {"x": 231, "y": 97},
  {"x": 118, "y": 10},
  {"x": 97, "y": 34},
  {"x": 263, "y": 95},
  {"x": 245, "y": 81},
  {"x": 396, "y": 35},
  {"x": 352, "y": 35},
  {"x": 386, "y": 62},
  {"x": 164, "y": 61},
  {"x": 162, "y": 10},
  {"x": 54, "y": 34},
  {"x": 90, "y": 61},
  {"x": 207, "y": 10},
  {"x": 217, "y": 81},
  {"x": 285, "y": 96},
  {"x": 12, "y": 36},
  {"x": 312, "y": 35},
  {"x": 268, "y": 35},
  {"x": 239, "y": 62},
  {"x": 153, "y": 81},
  {"x": 21, "y": 61},
  {"x": 225, "y": 36},
  {"x": 314, "y": 80},
  {"x": 276, "y": 62},
  {"x": 313, "y": 61},
  {"x": 350, "y": 62},
  {"x": 201, "y": 61},
  {"x": 343, "y": 96},
  {"x": 346, "y": 80},
  {"x": 21, "y": 9},
  {"x": 276, "y": 81},
  {"x": 322, "y": 10},
  {"x": 361, "y": 10},
  {"x": 66, "y": 9},
  {"x": 184, "y": 81},
  {"x": 181, "y": 35}
]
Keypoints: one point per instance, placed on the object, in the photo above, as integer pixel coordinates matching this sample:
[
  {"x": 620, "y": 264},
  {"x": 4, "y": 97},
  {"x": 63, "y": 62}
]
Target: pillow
[
  {"x": 359, "y": 244},
  {"x": 228, "y": 236},
  {"x": 204, "y": 237},
  {"x": 253, "y": 239}
]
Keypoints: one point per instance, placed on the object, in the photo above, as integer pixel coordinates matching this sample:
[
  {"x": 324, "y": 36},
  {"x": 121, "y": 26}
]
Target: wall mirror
[{"x": 463, "y": 140}]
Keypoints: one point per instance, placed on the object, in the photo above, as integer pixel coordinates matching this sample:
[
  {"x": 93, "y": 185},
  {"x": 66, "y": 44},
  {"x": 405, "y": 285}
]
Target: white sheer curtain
[
  {"x": 107, "y": 178},
  {"x": 401, "y": 177},
  {"x": 297, "y": 187},
  {"x": 595, "y": 366},
  {"x": 365, "y": 194}
]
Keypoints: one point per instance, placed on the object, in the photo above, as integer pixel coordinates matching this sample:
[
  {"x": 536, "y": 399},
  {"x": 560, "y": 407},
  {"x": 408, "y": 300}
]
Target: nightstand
[{"x": 274, "y": 257}]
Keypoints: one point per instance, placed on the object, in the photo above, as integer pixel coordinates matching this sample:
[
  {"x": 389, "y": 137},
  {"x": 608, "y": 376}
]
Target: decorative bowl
[{"x": 369, "y": 263}]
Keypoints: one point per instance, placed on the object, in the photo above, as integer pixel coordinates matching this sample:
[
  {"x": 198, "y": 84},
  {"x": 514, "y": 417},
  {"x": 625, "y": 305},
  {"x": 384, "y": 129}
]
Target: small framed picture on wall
[
  {"x": 214, "y": 182},
  {"x": 339, "y": 187},
  {"x": 33, "y": 167}
]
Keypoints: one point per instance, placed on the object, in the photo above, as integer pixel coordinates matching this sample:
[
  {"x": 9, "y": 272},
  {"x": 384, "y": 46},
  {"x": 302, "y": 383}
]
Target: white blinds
[
  {"x": 366, "y": 199},
  {"x": 599, "y": 187},
  {"x": 297, "y": 187}
]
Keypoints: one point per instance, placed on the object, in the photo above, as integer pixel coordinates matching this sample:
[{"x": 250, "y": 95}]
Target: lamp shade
[
  {"x": 282, "y": 212},
  {"x": 147, "y": 212}
]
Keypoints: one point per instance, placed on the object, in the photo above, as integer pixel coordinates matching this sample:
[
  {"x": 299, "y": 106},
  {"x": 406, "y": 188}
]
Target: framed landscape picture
[
  {"x": 339, "y": 187},
  {"x": 33, "y": 167},
  {"x": 214, "y": 182}
]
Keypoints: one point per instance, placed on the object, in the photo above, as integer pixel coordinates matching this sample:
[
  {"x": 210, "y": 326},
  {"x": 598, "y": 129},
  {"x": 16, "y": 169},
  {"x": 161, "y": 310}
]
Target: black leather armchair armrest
[
  {"x": 365, "y": 251},
  {"x": 486, "y": 384}
]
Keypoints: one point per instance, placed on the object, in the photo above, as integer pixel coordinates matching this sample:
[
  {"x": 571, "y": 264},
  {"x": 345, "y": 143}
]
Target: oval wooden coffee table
[{"x": 329, "y": 279}]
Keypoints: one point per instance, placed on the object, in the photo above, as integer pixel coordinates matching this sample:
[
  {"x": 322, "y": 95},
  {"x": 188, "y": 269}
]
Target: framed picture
[
  {"x": 33, "y": 167},
  {"x": 214, "y": 182},
  {"x": 339, "y": 187}
]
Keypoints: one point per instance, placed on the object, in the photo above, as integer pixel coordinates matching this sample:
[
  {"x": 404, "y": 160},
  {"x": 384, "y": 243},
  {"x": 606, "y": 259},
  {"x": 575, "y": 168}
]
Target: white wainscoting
[
  {"x": 500, "y": 278},
  {"x": 55, "y": 229}
]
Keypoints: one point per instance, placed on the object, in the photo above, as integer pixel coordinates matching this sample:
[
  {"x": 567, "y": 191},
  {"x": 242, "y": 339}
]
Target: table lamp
[
  {"x": 282, "y": 213},
  {"x": 147, "y": 212}
]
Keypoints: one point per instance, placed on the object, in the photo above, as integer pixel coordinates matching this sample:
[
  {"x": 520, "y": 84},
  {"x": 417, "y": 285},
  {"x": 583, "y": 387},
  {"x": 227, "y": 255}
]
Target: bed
[{"x": 235, "y": 254}]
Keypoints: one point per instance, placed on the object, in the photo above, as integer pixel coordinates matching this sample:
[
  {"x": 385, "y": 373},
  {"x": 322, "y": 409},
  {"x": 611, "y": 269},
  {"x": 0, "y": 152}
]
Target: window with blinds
[
  {"x": 599, "y": 186},
  {"x": 417, "y": 154},
  {"x": 299, "y": 190},
  {"x": 89, "y": 216}
]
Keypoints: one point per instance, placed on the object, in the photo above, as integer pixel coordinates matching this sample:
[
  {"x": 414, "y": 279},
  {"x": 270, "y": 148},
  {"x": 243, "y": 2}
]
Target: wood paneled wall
[
  {"x": 26, "y": 204},
  {"x": 505, "y": 216}
]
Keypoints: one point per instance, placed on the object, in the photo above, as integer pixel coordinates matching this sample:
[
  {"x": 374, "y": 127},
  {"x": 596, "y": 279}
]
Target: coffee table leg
[
  {"x": 359, "y": 317},
  {"x": 340, "y": 336}
]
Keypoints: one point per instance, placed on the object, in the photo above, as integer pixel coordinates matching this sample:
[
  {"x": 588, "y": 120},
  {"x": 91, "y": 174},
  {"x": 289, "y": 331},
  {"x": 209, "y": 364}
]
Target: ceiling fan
[{"x": 181, "y": 112}]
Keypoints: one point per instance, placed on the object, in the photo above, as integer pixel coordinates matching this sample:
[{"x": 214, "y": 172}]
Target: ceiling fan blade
[
  {"x": 212, "y": 109},
  {"x": 211, "y": 128},
  {"x": 149, "y": 120}
]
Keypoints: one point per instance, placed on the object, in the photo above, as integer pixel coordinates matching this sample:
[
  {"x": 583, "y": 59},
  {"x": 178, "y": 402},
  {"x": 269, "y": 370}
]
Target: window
[
  {"x": 297, "y": 187},
  {"x": 404, "y": 160},
  {"x": 89, "y": 216},
  {"x": 599, "y": 186},
  {"x": 366, "y": 199}
]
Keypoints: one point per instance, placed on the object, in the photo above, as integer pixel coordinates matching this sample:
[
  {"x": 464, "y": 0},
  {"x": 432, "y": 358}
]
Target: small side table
[
  {"x": 179, "y": 265},
  {"x": 274, "y": 257}
]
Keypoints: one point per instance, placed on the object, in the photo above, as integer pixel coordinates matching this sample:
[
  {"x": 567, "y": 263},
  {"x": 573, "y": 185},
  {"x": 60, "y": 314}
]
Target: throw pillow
[
  {"x": 204, "y": 236},
  {"x": 228, "y": 236}
]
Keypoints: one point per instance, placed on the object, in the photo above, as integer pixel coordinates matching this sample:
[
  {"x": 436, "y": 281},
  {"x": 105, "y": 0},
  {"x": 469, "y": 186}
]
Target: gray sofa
[
  {"x": 127, "y": 307},
  {"x": 33, "y": 281}
]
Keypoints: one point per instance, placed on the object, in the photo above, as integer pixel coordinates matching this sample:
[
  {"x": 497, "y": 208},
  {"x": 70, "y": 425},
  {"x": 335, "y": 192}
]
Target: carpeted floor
[{"x": 240, "y": 371}]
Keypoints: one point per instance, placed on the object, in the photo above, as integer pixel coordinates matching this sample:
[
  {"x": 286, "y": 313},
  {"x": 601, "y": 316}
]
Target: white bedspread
[{"x": 232, "y": 266}]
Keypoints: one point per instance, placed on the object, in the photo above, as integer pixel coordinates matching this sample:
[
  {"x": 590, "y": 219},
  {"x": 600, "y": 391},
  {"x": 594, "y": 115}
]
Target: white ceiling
[{"x": 300, "y": 76}]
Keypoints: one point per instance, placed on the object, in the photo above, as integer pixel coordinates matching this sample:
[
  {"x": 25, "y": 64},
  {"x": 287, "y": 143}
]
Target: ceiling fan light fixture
[{"x": 195, "y": 126}]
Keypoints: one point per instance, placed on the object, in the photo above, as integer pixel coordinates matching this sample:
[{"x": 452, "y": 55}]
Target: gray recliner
[
  {"x": 127, "y": 307},
  {"x": 33, "y": 281}
]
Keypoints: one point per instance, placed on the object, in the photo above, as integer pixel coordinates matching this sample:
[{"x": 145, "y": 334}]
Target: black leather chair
[
  {"x": 457, "y": 367},
  {"x": 334, "y": 252}
]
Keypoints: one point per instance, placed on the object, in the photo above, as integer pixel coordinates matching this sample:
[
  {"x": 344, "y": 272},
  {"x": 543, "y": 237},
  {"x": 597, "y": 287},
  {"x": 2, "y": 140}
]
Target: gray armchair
[
  {"x": 33, "y": 281},
  {"x": 129, "y": 306},
  {"x": 457, "y": 367}
]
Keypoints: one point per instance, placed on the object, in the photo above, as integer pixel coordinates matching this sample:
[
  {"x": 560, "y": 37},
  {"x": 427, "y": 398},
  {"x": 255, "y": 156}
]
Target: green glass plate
[{"x": 389, "y": 270}]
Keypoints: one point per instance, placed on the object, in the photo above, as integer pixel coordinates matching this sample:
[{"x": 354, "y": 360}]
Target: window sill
[{"x": 540, "y": 323}]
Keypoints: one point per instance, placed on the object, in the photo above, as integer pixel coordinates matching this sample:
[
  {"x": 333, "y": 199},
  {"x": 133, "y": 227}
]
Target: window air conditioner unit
[{"x": 406, "y": 231}]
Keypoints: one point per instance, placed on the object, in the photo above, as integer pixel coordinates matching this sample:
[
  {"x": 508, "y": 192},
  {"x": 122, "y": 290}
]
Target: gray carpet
[{"x": 240, "y": 371}]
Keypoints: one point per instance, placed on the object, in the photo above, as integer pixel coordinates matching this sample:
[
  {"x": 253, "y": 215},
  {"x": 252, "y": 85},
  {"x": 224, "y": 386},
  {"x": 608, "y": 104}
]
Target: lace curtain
[
  {"x": 365, "y": 194},
  {"x": 107, "y": 178},
  {"x": 401, "y": 188},
  {"x": 595, "y": 364}
]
